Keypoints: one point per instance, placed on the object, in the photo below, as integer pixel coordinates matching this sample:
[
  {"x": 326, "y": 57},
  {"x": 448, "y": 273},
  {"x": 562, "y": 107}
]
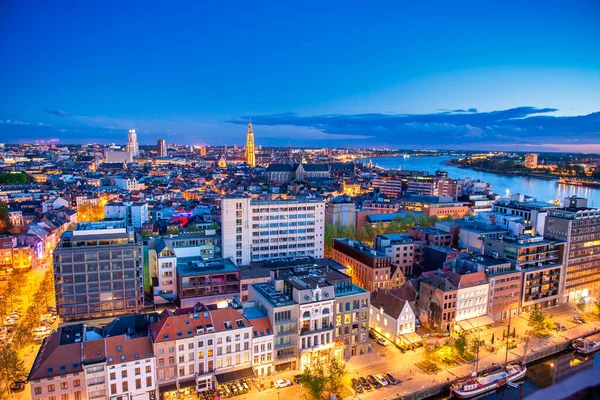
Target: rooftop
[{"x": 191, "y": 266}]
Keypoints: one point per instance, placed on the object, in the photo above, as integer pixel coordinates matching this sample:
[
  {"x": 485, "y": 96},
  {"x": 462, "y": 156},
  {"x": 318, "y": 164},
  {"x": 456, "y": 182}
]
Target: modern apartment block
[
  {"x": 541, "y": 261},
  {"x": 98, "y": 271},
  {"x": 369, "y": 269},
  {"x": 316, "y": 313},
  {"x": 164, "y": 254},
  {"x": 135, "y": 214},
  {"x": 256, "y": 230},
  {"x": 401, "y": 248},
  {"x": 533, "y": 213},
  {"x": 579, "y": 226},
  {"x": 207, "y": 281}
]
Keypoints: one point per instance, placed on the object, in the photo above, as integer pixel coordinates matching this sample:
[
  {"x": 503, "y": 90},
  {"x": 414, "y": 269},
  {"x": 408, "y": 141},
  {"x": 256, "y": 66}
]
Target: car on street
[
  {"x": 298, "y": 378},
  {"x": 371, "y": 334},
  {"x": 381, "y": 341},
  {"x": 391, "y": 379},
  {"x": 380, "y": 378},
  {"x": 281, "y": 383},
  {"x": 357, "y": 386},
  {"x": 374, "y": 382},
  {"x": 560, "y": 327},
  {"x": 578, "y": 320},
  {"x": 365, "y": 383}
]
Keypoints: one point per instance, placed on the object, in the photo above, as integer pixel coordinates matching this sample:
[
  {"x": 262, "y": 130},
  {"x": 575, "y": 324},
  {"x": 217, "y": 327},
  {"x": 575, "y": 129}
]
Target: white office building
[
  {"x": 132, "y": 143},
  {"x": 256, "y": 230},
  {"x": 135, "y": 214}
]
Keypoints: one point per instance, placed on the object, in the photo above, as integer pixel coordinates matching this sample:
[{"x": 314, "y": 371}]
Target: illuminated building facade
[
  {"x": 132, "y": 143},
  {"x": 369, "y": 269},
  {"x": 579, "y": 226},
  {"x": 250, "y": 156},
  {"x": 98, "y": 271}
]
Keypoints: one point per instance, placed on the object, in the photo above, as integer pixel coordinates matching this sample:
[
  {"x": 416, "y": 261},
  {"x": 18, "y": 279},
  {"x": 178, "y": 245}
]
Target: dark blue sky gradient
[{"x": 192, "y": 71}]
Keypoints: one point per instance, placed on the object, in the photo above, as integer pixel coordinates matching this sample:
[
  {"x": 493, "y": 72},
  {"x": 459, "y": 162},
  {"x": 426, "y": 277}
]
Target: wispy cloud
[
  {"x": 455, "y": 128},
  {"x": 58, "y": 113}
]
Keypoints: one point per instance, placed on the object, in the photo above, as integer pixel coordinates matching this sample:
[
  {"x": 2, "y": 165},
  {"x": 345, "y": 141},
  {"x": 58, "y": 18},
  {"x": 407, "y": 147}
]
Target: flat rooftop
[
  {"x": 100, "y": 227},
  {"x": 192, "y": 266},
  {"x": 361, "y": 248}
]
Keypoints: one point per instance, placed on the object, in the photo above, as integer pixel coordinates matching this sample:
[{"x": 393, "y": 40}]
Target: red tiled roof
[
  {"x": 221, "y": 315},
  {"x": 173, "y": 327},
  {"x": 261, "y": 327},
  {"x": 121, "y": 348},
  {"x": 55, "y": 359}
]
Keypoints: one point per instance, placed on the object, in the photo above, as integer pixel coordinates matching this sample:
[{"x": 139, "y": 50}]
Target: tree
[
  {"x": 461, "y": 343},
  {"x": 5, "y": 224},
  {"x": 337, "y": 375},
  {"x": 314, "y": 381},
  {"x": 539, "y": 323},
  {"x": 8, "y": 178},
  {"x": 596, "y": 306},
  {"x": 12, "y": 368},
  {"x": 581, "y": 304}
]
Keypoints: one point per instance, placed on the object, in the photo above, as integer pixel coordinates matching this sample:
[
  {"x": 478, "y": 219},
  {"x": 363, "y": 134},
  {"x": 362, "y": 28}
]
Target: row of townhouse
[{"x": 152, "y": 356}]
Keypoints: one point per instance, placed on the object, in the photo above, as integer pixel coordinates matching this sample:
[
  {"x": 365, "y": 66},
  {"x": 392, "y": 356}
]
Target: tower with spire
[{"x": 249, "y": 154}]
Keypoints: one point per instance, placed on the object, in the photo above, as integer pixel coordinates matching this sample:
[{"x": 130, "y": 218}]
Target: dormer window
[
  {"x": 227, "y": 324},
  {"x": 240, "y": 323}
]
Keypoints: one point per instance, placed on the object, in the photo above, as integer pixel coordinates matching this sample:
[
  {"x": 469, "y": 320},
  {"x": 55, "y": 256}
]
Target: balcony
[
  {"x": 284, "y": 346},
  {"x": 324, "y": 328}
]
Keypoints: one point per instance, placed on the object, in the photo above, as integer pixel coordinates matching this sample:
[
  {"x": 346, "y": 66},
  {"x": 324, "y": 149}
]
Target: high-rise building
[
  {"x": 203, "y": 151},
  {"x": 132, "y": 144},
  {"x": 531, "y": 160},
  {"x": 250, "y": 159},
  {"x": 579, "y": 226},
  {"x": 98, "y": 271},
  {"x": 257, "y": 230},
  {"x": 161, "y": 148}
]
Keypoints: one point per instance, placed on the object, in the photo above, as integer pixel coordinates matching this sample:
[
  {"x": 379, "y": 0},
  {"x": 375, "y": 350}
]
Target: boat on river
[
  {"x": 492, "y": 380},
  {"x": 585, "y": 346}
]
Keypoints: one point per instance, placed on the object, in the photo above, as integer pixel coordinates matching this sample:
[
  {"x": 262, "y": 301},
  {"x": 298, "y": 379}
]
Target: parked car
[
  {"x": 391, "y": 379},
  {"x": 374, "y": 382},
  {"x": 371, "y": 334},
  {"x": 281, "y": 383},
  {"x": 357, "y": 386},
  {"x": 578, "y": 320},
  {"x": 381, "y": 379},
  {"x": 297, "y": 378},
  {"x": 560, "y": 327},
  {"x": 365, "y": 383},
  {"x": 381, "y": 342}
]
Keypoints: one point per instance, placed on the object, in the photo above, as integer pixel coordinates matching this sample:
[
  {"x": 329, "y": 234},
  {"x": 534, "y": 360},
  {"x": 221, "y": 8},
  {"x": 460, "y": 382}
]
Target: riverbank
[
  {"x": 547, "y": 177},
  {"x": 538, "y": 349}
]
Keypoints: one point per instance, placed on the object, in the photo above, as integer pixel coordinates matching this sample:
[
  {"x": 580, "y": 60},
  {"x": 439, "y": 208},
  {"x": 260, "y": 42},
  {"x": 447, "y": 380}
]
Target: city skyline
[{"x": 478, "y": 76}]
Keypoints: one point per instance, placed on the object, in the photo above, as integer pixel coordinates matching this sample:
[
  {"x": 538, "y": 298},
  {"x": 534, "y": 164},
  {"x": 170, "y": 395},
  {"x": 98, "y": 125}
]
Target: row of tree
[
  {"x": 9, "y": 178},
  {"x": 368, "y": 232},
  {"x": 42, "y": 299}
]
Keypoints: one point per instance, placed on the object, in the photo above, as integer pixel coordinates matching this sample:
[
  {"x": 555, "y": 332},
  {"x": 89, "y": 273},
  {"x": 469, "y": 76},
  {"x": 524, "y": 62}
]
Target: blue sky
[{"x": 307, "y": 73}]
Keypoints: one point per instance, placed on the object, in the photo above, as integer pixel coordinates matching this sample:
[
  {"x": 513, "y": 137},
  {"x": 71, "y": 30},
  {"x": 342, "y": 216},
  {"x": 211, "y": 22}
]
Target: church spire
[{"x": 249, "y": 154}]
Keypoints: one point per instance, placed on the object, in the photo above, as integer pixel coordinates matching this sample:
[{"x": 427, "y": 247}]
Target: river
[
  {"x": 542, "y": 189},
  {"x": 559, "y": 370}
]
